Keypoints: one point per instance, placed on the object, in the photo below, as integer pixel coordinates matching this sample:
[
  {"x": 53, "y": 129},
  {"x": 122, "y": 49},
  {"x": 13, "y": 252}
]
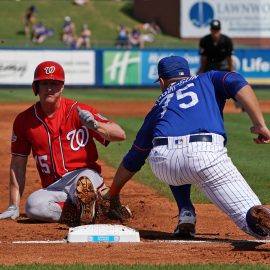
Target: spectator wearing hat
[
  {"x": 69, "y": 32},
  {"x": 216, "y": 50}
]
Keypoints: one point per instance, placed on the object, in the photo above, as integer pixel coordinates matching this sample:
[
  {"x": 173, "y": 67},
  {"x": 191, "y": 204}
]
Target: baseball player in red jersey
[{"x": 60, "y": 133}]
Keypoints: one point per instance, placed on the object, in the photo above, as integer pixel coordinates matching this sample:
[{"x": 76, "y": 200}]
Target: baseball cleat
[
  {"x": 258, "y": 219},
  {"x": 86, "y": 199},
  {"x": 186, "y": 224}
]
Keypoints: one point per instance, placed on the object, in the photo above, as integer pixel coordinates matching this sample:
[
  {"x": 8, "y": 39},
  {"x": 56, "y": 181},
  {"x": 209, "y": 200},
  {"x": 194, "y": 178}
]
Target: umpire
[{"x": 216, "y": 50}]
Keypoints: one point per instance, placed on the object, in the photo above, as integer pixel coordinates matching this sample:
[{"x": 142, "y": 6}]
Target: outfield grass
[
  {"x": 96, "y": 94},
  {"x": 251, "y": 159}
]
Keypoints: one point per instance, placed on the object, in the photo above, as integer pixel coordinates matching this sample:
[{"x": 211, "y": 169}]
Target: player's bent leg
[
  {"x": 85, "y": 195},
  {"x": 42, "y": 205},
  {"x": 86, "y": 200},
  {"x": 258, "y": 221}
]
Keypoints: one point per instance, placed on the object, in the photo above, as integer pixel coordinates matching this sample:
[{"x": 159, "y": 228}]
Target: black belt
[{"x": 192, "y": 138}]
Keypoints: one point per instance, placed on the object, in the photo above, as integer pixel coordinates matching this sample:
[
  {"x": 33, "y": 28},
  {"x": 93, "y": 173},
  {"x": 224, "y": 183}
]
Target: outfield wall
[{"x": 114, "y": 68}]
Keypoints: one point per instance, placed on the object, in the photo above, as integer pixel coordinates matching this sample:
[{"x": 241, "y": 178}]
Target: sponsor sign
[
  {"x": 241, "y": 18},
  {"x": 17, "y": 66},
  {"x": 121, "y": 68},
  {"x": 150, "y": 61},
  {"x": 253, "y": 64}
]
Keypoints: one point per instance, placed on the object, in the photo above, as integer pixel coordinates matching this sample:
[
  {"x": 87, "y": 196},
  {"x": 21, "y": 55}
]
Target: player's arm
[
  {"x": 109, "y": 131},
  {"x": 248, "y": 100},
  {"x": 16, "y": 186},
  {"x": 203, "y": 64},
  {"x": 230, "y": 63}
]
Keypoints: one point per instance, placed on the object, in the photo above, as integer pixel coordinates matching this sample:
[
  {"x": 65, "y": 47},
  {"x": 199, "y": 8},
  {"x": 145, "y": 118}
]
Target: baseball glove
[
  {"x": 112, "y": 207},
  {"x": 118, "y": 211}
]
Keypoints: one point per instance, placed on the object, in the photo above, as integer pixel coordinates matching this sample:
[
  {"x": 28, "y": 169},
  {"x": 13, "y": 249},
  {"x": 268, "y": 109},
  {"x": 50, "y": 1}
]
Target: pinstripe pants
[{"x": 207, "y": 166}]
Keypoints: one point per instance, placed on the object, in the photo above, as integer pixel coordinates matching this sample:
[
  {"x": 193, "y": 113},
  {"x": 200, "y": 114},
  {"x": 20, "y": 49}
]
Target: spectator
[
  {"x": 151, "y": 27},
  {"x": 83, "y": 40},
  {"x": 80, "y": 2},
  {"x": 29, "y": 21},
  {"x": 41, "y": 33},
  {"x": 136, "y": 39},
  {"x": 122, "y": 40},
  {"x": 69, "y": 32}
]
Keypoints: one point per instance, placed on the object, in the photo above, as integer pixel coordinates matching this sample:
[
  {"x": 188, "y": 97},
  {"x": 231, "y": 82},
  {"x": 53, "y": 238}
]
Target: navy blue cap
[
  {"x": 215, "y": 25},
  {"x": 173, "y": 67}
]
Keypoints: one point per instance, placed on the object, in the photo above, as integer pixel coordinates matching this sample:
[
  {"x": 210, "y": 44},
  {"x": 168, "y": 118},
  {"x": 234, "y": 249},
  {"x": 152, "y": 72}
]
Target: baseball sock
[{"x": 181, "y": 195}]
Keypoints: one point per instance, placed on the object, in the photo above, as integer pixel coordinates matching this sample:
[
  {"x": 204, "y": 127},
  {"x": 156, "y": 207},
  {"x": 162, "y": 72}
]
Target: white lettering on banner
[
  {"x": 120, "y": 63},
  {"x": 78, "y": 138},
  {"x": 49, "y": 70},
  {"x": 255, "y": 64}
]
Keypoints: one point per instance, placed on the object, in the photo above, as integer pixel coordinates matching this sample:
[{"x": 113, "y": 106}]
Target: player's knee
[
  {"x": 258, "y": 221},
  {"x": 37, "y": 208}
]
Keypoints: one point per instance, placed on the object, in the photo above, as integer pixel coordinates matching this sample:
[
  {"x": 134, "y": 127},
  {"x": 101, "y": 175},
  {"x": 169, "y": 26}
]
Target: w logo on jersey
[
  {"x": 78, "y": 138},
  {"x": 49, "y": 70}
]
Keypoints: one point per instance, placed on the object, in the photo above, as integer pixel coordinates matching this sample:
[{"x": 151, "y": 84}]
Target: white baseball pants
[{"x": 207, "y": 166}]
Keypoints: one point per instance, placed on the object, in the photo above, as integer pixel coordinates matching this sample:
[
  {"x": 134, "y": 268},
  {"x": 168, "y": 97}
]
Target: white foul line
[{"x": 63, "y": 241}]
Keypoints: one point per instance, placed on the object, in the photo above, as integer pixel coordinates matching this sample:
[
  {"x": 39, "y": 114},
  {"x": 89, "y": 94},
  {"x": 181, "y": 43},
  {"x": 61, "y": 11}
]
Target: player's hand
[
  {"x": 12, "y": 212},
  {"x": 117, "y": 210},
  {"x": 87, "y": 119},
  {"x": 263, "y": 134}
]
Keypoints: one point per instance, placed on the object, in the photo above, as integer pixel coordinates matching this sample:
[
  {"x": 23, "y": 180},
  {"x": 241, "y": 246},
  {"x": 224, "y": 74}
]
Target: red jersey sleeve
[{"x": 20, "y": 145}]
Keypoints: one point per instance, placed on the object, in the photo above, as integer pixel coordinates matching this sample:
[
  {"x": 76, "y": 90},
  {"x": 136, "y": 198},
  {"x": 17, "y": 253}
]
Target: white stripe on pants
[{"x": 207, "y": 166}]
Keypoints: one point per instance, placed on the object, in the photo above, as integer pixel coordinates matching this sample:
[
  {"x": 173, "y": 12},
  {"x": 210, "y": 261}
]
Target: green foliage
[{"x": 103, "y": 18}]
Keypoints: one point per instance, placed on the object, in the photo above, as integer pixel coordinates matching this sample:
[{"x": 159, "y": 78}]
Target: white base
[{"x": 95, "y": 233}]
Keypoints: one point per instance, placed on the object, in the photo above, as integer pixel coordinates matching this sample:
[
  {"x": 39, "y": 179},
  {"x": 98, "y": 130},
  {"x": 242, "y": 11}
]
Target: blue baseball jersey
[{"x": 189, "y": 106}]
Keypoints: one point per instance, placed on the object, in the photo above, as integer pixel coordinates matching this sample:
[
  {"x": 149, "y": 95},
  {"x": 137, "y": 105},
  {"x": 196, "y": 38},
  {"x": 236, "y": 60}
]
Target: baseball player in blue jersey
[{"x": 184, "y": 139}]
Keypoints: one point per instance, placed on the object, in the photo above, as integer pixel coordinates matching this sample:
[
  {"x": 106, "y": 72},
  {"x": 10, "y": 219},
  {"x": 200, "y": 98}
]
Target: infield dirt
[{"x": 154, "y": 217}]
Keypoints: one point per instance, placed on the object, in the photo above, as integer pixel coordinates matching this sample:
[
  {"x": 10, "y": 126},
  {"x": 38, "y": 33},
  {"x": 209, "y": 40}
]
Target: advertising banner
[
  {"x": 253, "y": 64},
  {"x": 241, "y": 18},
  {"x": 121, "y": 68},
  {"x": 17, "y": 66},
  {"x": 150, "y": 61}
]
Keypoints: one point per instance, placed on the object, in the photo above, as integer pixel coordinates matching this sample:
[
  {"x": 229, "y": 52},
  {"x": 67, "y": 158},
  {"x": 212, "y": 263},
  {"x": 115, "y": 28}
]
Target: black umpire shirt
[{"x": 216, "y": 52}]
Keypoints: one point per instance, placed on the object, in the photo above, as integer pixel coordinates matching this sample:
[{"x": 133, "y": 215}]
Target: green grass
[
  {"x": 139, "y": 267},
  {"x": 251, "y": 159},
  {"x": 95, "y": 94},
  {"x": 103, "y": 17}
]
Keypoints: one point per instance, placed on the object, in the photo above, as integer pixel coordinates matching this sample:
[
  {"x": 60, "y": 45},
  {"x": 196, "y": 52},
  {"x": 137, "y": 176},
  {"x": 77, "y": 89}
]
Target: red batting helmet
[{"x": 48, "y": 70}]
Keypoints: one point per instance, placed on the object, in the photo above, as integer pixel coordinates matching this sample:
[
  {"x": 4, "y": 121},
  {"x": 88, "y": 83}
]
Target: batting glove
[
  {"x": 87, "y": 119},
  {"x": 12, "y": 212}
]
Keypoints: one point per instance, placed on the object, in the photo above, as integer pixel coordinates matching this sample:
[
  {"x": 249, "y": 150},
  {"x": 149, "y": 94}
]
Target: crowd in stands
[
  {"x": 38, "y": 32},
  {"x": 137, "y": 36}
]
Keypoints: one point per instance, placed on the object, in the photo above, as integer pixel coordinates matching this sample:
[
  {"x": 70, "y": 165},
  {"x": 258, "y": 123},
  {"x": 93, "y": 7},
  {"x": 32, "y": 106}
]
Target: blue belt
[{"x": 192, "y": 138}]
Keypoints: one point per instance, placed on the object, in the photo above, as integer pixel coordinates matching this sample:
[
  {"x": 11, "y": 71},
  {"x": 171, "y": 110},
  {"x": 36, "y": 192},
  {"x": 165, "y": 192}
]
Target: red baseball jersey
[{"x": 60, "y": 143}]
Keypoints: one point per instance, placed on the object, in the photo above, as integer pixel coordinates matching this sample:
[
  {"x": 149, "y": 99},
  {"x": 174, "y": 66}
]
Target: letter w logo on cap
[{"x": 49, "y": 70}]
